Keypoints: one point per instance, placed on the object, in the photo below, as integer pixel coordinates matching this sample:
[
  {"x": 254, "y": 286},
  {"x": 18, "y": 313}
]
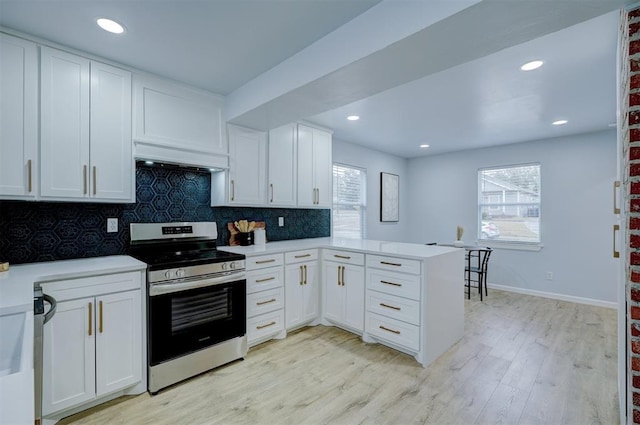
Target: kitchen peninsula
[{"x": 406, "y": 296}]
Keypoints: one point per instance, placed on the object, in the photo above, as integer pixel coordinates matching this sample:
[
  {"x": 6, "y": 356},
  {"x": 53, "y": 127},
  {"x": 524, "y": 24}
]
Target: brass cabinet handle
[
  {"x": 301, "y": 277},
  {"x": 616, "y": 228},
  {"x": 266, "y": 279},
  {"x": 29, "y": 178},
  {"x": 95, "y": 177},
  {"x": 100, "y": 325},
  {"x": 272, "y": 300},
  {"x": 389, "y": 330},
  {"x": 390, "y": 283},
  {"x": 343, "y": 282},
  {"x": 84, "y": 176},
  {"x": 265, "y": 261},
  {"x": 266, "y": 326},
  {"x": 233, "y": 190},
  {"x": 305, "y": 274},
  {"x": 342, "y": 256},
  {"x": 90, "y": 319},
  {"x": 616, "y": 185},
  {"x": 303, "y": 256},
  {"x": 271, "y": 185},
  {"x": 390, "y": 306},
  {"x": 386, "y": 263},
  {"x": 317, "y": 196},
  {"x": 339, "y": 283}
]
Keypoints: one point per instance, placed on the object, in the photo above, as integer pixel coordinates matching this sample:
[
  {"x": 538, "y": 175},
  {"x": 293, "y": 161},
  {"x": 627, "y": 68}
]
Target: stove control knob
[
  {"x": 232, "y": 265},
  {"x": 179, "y": 273},
  {"x": 167, "y": 274},
  {"x": 224, "y": 266}
]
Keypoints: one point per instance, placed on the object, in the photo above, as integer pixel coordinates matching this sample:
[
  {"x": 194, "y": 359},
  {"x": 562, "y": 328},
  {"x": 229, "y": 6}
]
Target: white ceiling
[{"x": 220, "y": 45}]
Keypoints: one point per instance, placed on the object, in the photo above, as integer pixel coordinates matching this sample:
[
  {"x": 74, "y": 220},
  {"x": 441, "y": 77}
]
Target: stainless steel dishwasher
[{"x": 39, "y": 319}]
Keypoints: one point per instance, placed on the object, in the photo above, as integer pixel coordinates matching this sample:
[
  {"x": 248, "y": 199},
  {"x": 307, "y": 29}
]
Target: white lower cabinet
[
  {"x": 265, "y": 298},
  {"x": 344, "y": 284},
  {"x": 93, "y": 345},
  {"x": 302, "y": 290}
]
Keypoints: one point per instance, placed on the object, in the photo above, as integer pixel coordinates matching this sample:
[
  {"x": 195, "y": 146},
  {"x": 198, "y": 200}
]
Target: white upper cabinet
[
  {"x": 84, "y": 155},
  {"x": 282, "y": 166},
  {"x": 314, "y": 167},
  {"x": 19, "y": 118},
  {"x": 178, "y": 124},
  {"x": 247, "y": 166}
]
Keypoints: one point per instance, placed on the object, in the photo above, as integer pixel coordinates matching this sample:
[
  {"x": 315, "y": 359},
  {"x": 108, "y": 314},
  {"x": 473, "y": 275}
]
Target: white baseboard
[{"x": 561, "y": 297}]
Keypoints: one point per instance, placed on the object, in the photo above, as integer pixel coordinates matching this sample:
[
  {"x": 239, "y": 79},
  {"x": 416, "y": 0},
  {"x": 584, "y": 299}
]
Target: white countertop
[{"x": 367, "y": 246}]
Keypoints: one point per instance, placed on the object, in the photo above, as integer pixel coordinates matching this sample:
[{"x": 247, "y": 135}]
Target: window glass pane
[
  {"x": 349, "y": 201},
  {"x": 509, "y": 203}
]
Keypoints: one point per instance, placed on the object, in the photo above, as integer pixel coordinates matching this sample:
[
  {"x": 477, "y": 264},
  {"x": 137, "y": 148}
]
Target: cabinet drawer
[
  {"x": 394, "y": 331},
  {"x": 93, "y": 286},
  {"x": 265, "y": 325},
  {"x": 300, "y": 256},
  {"x": 264, "y": 261},
  {"x": 393, "y": 264},
  {"x": 398, "y": 284},
  {"x": 265, "y": 301},
  {"x": 345, "y": 257},
  {"x": 394, "y": 307},
  {"x": 261, "y": 280}
]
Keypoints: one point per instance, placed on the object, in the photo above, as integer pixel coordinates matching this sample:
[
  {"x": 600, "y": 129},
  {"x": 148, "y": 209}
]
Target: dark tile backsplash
[{"x": 44, "y": 231}]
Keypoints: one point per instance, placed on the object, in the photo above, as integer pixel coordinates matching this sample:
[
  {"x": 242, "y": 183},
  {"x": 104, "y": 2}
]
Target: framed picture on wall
[{"x": 389, "y": 197}]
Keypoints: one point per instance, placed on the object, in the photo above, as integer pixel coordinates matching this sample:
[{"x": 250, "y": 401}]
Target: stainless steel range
[{"x": 196, "y": 308}]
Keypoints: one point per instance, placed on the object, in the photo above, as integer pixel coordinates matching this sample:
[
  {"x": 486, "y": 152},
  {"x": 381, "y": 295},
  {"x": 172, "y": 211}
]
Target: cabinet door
[
  {"x": 333, "y": 292},
  {"x": 282, "y": 166},
  {"x": 19, "y": 117},
  {"x": 247, "y": 166},
  {"x": 111, "y": 146},
  {"x": 322, "y": 168},
  {"x": 354, "y": 297},
  {"x": 118, "y": 341},
  {"x": 293, "y": 295},
  {"x": 64, "y": 103},
  {"x": 306, "y": 192},
  {"x": 69, "y": 356},
  {"x": 310, "y": 292}
]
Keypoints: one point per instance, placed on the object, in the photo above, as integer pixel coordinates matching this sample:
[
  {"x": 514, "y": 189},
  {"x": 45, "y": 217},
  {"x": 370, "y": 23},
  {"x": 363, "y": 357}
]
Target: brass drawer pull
[
  {"x": 616, "y": 253},
  {"x": 266, "y": 261},
  {"x": 303, "y": 256},
  {"x": 301, "y": 276},
  {"x": 389, "y": 306},
  {"x": 342, "y": 256},
  {"x": 233, "y": 190},
  {"x": 390, "y": 283},
  {"x": 100, "y": 327},
  {"x": 95, "y": 178},
  {"x": 266, "y": 279},
  {"x": 272, "y": 300},
  {"x": 90, "y": 319},
  {"x": 339, "y": 282},
  {"x": 616, "y": 185},
  {"x": 84, "y": 181},
  {"x": 271, "y": 185},
  {"x": 386, "y": 263},
  {"x": 389, "y": 330},
  {"x": 305, "y": 274},
  {"x": 29, "y": 184},
  {"x": 266, "y": 326},
  {"x": 343, "y": 282}
]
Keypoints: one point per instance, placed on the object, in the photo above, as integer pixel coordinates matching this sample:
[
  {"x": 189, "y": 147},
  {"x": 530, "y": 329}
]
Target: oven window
[{"x": 195, "y": 310}]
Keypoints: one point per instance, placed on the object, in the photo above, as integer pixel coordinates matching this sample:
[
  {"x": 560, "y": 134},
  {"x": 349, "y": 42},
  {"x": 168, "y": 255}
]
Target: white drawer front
[
  {"x": 68, "y": 289},
  {"x": 265, "y": 302},
  {"x": 346, "y": 257},
  {"x": 394, "y": 307},
  {"x": 300, "y": 256},
  {"x": 402, "y": 265},
  {"x": 264, "y": 261},
  {"x": 265, "y": 325},
  {"x": 394, "y": 331},
  {"x": 261, "y": 280},
  {"x": 398, "y": 284}
]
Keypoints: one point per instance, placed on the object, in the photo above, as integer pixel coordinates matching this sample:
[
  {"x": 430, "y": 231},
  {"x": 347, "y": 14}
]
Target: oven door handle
[{"x": 168, "y": 288}]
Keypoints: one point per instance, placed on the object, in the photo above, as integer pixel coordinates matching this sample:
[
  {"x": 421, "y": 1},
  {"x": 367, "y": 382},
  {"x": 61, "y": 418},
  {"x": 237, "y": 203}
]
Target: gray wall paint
[
  {"x": 375, "y": 162},
  {"x": 576, "y": 208}
]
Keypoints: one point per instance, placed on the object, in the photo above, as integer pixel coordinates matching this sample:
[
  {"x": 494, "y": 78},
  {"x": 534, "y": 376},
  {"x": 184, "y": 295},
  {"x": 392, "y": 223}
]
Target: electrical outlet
[
  {"x": 281, "y": 221},
  {"x": 549, "y": 276},
  {"x": 112, "y": 225}
]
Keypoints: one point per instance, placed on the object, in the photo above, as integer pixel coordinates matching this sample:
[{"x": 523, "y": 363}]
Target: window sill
[{"x": 515, "y": 246}]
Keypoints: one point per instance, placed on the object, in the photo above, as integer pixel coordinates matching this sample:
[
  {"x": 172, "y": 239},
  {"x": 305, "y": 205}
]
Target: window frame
[
  {"x": 363, "y": 198},
  {"x": 509, "y": 244}
]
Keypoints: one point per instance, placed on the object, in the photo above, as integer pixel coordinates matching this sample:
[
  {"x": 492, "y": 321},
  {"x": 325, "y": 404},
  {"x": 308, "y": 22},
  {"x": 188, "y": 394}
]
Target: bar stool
[{"x": 476, "y": 269}]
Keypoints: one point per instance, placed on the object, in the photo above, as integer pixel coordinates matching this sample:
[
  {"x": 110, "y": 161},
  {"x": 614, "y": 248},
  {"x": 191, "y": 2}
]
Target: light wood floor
[{"x": 522, "y": 360}]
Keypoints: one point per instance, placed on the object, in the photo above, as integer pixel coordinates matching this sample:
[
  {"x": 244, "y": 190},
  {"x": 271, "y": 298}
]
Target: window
[
  {"x": 349, "y": 201},
  {"x": 509, "y": 204}
]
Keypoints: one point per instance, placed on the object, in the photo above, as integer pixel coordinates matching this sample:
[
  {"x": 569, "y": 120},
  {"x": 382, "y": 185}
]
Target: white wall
[
  {"x": 577, "y": 175},
  {"x": 375, "y": 162}
]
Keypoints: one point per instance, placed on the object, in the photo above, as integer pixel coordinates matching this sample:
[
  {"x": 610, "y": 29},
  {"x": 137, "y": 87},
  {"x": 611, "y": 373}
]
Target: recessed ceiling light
[
  {"x": 353, "y": 118},
  {"x": 530, "y": 66},
  {"x": 560, "y": 122},
  {"x": 424, "y": 146},
  {"x": 110, "y": 26}
]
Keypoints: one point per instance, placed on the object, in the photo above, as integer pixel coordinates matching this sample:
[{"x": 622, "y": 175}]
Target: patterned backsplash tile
[{"x": 44, "y": 231}]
